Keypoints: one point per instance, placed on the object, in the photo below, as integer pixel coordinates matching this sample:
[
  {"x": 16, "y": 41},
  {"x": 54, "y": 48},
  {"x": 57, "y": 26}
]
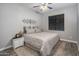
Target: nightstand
[{"x": 17, "y": 42}]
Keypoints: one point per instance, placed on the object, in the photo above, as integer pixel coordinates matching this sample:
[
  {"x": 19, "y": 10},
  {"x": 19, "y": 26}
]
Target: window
[{"x": 56, "y": 22}]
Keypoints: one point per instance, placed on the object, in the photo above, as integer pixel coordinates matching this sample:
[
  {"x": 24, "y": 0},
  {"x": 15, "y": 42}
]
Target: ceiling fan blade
[
  {"x": 49, "y": 3},
  {"x": 49, "y": 7},
  {"x": 35, "y": 6}
]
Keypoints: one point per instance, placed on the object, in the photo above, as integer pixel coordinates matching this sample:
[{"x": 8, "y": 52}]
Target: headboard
[{"x": 30, "y": 26}]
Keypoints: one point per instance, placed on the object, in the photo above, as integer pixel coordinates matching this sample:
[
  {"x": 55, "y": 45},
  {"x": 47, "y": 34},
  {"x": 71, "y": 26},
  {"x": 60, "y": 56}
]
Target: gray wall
[
  {"x": 78, "y": 25},
  {"x": 70, "y": 21},
  {"x": 11, "y": 16}
]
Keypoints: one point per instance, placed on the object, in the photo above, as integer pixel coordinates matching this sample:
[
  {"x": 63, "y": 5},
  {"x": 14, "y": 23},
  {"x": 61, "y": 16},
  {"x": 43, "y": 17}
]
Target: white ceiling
[{"x": 54, "y": 5}]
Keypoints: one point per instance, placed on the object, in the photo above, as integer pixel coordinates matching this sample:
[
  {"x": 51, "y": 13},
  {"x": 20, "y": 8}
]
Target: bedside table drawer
[{"x": 18, "y": 42}]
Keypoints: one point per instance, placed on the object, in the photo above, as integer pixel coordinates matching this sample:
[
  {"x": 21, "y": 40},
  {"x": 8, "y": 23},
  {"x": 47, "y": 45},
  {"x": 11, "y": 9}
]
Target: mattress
[{"x": 43, "y": 41}]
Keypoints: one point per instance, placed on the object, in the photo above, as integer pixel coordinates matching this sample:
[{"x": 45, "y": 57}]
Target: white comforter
[{"x": 44, "y": 41}]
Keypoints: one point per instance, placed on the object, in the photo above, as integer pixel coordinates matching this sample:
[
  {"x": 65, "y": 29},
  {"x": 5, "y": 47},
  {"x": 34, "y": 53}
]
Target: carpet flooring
[{"x": 62, "y": 48}]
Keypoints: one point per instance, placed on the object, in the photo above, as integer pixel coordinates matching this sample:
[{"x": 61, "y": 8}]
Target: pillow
[
  {"x": 37, "y": 30},
  {"x": 32, "y": 29},
  {"x": 29, "y": 31}
]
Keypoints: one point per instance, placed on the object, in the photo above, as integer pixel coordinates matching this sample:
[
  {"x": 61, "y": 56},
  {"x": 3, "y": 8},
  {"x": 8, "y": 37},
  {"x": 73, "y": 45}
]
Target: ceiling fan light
[{"x": 43, "y": 8}]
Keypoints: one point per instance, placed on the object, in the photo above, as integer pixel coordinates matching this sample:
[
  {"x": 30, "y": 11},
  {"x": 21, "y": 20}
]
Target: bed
[{"x": 43, "y": 41}]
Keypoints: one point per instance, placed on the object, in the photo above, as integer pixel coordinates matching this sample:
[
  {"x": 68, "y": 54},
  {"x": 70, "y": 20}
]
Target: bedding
[{"x": 43, "y": 41}]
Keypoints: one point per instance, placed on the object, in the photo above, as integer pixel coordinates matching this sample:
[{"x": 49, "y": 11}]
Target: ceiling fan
[{"x": 43, "y": 6}]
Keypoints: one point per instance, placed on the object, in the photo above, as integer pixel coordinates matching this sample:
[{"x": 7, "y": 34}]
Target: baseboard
[
  {"x": 69, "y": 40},
  {"x": 5, "y": 48}
]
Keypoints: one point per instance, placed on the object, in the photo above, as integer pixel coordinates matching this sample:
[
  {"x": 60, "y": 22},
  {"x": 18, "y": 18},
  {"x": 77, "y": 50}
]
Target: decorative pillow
[
  {"x": 30, "y": 31},
  {"x": 37, "y": 30}
]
